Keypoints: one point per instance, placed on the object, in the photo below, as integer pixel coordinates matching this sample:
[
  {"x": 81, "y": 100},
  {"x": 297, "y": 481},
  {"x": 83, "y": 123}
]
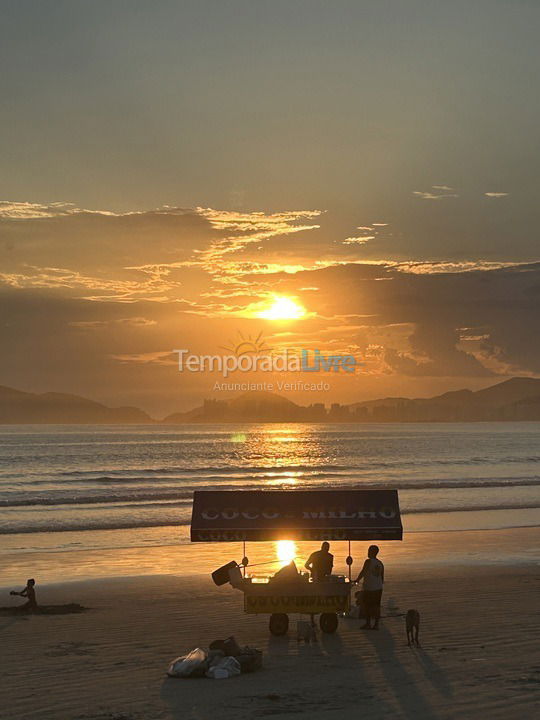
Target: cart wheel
[
  {"x": 279, "y": 623},
  {"x": 328, "y": 622}
]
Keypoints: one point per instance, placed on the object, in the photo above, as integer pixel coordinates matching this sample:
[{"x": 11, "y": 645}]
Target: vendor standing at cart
[
  {"x": 320, "y": 563},
  {"x": 372, "y": 574}
]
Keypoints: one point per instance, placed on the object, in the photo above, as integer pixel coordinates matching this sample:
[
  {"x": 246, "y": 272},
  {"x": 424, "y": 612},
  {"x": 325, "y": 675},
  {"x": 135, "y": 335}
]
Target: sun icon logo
[{"x": 247, "y": 345}]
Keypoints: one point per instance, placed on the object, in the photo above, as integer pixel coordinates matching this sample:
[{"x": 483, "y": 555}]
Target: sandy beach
[{"x": 479, "y": 642}]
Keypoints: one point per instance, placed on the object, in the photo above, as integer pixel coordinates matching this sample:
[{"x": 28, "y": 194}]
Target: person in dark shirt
[
  {"x": 30, "y": 593},
  {"x": 320, "y": 563}
]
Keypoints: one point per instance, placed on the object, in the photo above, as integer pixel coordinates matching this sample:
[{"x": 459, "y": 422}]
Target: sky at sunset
[{"x": 171, "y": 170}]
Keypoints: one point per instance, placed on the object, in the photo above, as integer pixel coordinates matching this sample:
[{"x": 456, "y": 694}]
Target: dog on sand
[{"x": 412, "y": 625}]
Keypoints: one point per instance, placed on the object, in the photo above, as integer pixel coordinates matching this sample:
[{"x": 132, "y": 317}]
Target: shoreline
[
  {"x": 164, "y": 535},
  {"x": 520, "y": 546}
]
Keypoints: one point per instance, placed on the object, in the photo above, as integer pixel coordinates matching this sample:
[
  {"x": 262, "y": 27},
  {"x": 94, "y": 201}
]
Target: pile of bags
[{"x": 223, "y": 659}]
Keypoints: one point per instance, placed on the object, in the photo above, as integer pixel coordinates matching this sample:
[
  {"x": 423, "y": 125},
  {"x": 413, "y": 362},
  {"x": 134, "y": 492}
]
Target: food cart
[{"x": 305, "y": 515}]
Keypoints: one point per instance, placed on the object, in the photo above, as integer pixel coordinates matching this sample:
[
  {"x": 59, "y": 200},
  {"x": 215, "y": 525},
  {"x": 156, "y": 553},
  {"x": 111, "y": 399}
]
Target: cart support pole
[{"x": 350, "y": 566}]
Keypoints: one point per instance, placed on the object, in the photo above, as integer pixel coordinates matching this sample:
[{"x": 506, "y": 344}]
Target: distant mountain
[
  {"x": 511, "y": 391},
  {"x": 255, "y": 406},
  {"x": 514, "y": 399},
  {"x": 17, "y": 407}
]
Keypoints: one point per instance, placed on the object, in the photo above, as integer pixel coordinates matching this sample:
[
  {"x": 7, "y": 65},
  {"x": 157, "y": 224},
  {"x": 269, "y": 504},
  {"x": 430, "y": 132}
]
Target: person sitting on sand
[
  {"x": 28, "y": 592},
  {"x": 320, "y": 563},
  {"x": 373, "y": 575}
]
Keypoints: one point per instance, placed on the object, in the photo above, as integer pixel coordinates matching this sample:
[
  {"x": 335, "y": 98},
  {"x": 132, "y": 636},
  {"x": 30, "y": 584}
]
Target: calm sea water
[{"x": 88, "y": 478}]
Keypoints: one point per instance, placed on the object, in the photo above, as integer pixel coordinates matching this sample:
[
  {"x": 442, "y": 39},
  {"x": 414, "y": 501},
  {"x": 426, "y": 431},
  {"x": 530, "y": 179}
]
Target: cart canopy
[{"x": 259, "y": 515}]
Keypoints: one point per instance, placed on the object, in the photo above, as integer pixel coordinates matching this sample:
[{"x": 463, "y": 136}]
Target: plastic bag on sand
[
  {"x": 191, "y": 665},
  {"x": 225, "y": 667}
]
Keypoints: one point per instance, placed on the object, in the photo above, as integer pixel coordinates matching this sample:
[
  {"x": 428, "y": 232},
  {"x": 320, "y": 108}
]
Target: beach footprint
[{"x": 70, "y": 648}]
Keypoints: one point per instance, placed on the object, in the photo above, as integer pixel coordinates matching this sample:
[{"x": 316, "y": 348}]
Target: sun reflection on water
[
  {"x": 238, "y": 438},
  {"x": 287, "y": 479},
  {"x": 280, "y": 455}
]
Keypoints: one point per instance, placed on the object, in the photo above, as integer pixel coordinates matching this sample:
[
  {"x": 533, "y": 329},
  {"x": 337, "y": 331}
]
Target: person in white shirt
[{"x": 373, "y": 576}]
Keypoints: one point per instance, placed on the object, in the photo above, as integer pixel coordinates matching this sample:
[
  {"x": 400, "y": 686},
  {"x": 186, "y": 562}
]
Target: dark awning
[{"x": 237, "y": 515}]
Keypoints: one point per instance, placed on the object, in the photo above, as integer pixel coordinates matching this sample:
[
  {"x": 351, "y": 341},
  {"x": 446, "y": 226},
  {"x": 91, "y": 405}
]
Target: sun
[
  {"x": 286, "y": 551},
  {"x": 283, "y": 308}
]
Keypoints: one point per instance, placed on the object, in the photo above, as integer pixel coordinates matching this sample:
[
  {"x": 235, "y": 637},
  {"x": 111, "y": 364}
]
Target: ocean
[{"x": 78, "y": 487}]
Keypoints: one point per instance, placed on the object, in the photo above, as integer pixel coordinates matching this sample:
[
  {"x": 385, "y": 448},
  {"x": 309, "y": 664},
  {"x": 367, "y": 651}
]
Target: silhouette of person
[
  {"x": 320, "y": 563},
  {"x": 30, "y": 593},
  {"x": 373, "y": 575}
]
